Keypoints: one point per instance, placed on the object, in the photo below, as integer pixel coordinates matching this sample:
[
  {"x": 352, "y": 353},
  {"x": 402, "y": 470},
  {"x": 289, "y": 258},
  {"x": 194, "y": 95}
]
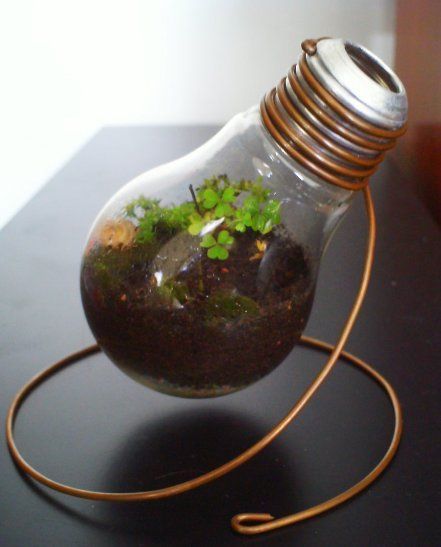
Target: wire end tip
[{"x": 245, "y": 523}]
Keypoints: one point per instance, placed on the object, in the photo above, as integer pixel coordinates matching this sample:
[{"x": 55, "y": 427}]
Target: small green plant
[
  {"x": 219, "y": 201},
  {"x": 229, "y": 206},
  {"x": 241, "y": 205},
  {"x": 257, "y": 217},
  {"x": 218, "y": 248}
]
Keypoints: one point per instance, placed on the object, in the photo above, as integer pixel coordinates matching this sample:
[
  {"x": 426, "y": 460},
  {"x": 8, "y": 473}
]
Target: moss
[{"x": 227, "y": 305}]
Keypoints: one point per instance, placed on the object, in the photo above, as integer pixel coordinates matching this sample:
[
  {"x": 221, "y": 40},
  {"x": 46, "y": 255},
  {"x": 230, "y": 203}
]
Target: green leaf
[
  {"x": 258, "y": 223},
  {"x": 195, "y": 217},
  {"x": 240, "y": 227},
  {"x": 208, "y": 241},
  {"x": 247, "y": 219},
  {"x": 209, "y": 193},
  {"x": 244, "y": 217},
  {"x": 251, "y": 204},
  {"x": 212, "y": 252},
  {"x": 217, "y": 252},
  {"x": 222, "y": 253},
  {"x": 210, "y": 198},
  {"x": 223, "y": 237},
  {"x": 219, "y": 211},
  {"x": 195, "y": 228},
  {"x": 229, "y": 195},
  {"x": 223, "y": 210}
]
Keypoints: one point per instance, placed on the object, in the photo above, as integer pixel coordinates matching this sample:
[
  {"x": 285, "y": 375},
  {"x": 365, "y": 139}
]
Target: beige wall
[{"x": 70, "y": 67}]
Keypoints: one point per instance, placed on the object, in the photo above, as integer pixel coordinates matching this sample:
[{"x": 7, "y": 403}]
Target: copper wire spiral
[
  {"x": 338, "y": 165},
  {"x": 320, "y": 153}
]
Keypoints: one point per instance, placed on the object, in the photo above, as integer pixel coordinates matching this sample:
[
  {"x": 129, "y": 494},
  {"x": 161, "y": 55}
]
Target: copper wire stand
[
  {"x": 244, "y": 523},
  {"x": 336, "y": 164}
]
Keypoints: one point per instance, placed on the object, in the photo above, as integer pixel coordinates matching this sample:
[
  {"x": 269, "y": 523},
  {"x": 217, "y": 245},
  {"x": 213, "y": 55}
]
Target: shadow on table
[
  {"x": 182, "y": 447},
  {"x": 176, "y": 449}
]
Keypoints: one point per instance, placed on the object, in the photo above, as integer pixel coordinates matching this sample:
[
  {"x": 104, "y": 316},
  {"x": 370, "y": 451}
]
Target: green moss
[
  {"x": 155, "y": 219},
  {"x": 110, "y": 266},
  {"x": 172, "y": 291},
  {"x": 229, "y": 306}
]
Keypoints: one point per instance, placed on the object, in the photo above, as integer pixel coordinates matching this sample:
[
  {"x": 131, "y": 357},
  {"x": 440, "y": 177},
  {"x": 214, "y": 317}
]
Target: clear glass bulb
[{"x": 198, "y": 276}]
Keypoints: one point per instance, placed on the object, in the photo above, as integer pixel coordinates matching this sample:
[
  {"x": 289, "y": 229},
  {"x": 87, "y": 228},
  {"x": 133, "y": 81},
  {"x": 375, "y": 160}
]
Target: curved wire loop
[{"x": 243, "y": 523}]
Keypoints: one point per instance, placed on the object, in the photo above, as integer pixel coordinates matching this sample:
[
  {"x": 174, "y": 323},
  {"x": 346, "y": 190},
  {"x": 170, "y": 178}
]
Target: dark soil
[{"x": 187, "y": 325}]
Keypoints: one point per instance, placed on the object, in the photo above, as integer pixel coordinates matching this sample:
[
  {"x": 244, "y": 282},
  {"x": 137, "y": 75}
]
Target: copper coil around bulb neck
[{"x": 321, "y": 153}]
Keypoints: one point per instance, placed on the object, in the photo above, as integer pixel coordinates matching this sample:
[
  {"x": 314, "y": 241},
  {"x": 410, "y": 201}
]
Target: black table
[{"x": 91, "y": 426}]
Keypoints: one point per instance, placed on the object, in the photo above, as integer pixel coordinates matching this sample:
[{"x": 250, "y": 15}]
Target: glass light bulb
[{"x": 198, "y": 276}]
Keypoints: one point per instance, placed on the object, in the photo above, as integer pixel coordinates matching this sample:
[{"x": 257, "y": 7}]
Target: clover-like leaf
[
  {"x": 208, "y": 241},
  {"x": 222, "y": 253},
  {"x": 229, "y": 195},
  {"x": 210, "y": 198},
  {"x": 218, "y": 249},
  {"x": 225, "y": 238},
  {"x": 223, "y": 210},
  {"x": 217, "y": 252}
]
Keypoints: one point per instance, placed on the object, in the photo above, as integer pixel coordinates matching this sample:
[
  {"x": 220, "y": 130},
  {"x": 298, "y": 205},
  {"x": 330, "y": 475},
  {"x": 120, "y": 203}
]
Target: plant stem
[{"x": 193, "y": 195}]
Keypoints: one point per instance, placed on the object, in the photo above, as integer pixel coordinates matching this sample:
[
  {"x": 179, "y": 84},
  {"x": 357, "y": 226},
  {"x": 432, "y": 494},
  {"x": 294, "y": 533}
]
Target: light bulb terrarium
[{"x": 198, "y": 276}]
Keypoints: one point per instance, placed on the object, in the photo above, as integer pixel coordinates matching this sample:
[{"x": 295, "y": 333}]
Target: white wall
[{"x": 69, "y": 67}]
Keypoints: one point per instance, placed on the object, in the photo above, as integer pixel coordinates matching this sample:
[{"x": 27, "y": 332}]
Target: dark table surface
[{"x": 91, "y": 426}]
